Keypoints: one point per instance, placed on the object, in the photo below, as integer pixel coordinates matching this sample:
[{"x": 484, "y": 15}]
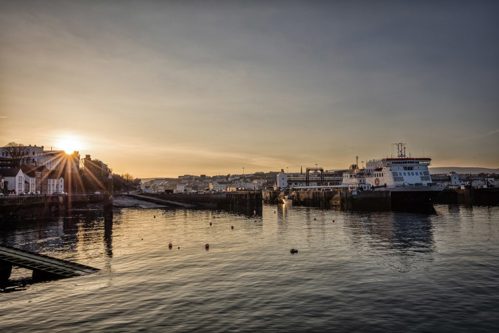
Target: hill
[{"x": 463, "y": 170}]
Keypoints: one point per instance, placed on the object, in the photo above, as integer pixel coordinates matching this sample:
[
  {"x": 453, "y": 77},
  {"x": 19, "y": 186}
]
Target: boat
[{"x": 406, "y": 179}]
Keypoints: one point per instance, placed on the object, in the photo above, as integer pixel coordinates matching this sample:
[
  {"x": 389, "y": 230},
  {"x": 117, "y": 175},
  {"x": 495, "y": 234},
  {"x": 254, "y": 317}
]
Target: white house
[
  {"x": 14, "y": 179},
  {"x": 55, "y": 185}
]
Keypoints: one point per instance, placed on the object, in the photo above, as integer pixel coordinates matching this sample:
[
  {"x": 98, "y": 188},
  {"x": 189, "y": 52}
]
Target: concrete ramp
[
  {"x": 162, "y": 201},
  {"x": 43, "y": 267}
]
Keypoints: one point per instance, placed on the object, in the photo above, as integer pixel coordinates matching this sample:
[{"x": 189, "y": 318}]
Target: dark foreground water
[{"x": 363, "y": 272}]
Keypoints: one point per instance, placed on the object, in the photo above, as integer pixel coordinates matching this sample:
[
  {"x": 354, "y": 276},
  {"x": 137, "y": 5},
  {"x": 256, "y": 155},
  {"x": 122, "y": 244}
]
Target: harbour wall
[
  {"x": 343, "y": 199},
  {"x": 245, "y": 202},
  {"x": 469, "y": 196},
  {"x": 46, "y": 205}
]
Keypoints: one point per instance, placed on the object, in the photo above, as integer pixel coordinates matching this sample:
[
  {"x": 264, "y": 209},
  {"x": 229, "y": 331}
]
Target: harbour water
[{"x": 372, "y": 272}]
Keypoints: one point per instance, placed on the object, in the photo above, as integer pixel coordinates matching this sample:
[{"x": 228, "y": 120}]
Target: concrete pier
[
  {"x": 44, "y": 267},
  {"x": 344, "y": 199},
  {"x": 244, "y": 202}
]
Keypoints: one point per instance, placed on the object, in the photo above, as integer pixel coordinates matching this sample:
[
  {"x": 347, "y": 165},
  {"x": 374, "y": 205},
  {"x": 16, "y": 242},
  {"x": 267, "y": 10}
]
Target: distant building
[
  {"x": 21, "y": 154},
  {"x": 282, "y": 180},
  {"x": 180, "y": 188},
  {"x": 454, "y": 179},
  {"x": 217, "y": 186}
]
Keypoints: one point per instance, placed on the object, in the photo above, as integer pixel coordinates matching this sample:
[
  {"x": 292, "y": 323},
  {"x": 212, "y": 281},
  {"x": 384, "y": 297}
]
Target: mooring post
[
  {"x": 5, "y": 271},
  {"x": 40, "y": 276}
]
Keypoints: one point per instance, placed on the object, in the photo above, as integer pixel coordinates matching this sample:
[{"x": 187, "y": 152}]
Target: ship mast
[{"x": 400, "y": 149}]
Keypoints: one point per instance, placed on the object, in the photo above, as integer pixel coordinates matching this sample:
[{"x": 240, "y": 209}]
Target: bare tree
[
  {"x": 127, "y": 177},
  {"x": 16, "y": 151}
]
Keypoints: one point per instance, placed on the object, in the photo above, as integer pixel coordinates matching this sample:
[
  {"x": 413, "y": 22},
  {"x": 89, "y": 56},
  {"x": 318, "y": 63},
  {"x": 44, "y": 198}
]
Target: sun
[{"x": 69, "y": 143}]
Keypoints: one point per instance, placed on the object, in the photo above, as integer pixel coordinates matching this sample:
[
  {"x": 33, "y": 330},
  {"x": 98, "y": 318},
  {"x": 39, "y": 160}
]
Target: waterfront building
[
  {"x": 37, "y": 163},
  {"x": 13, "y": 180},
  {"x": 31, "y": 180},
  {"x": 55, "y": 183}
]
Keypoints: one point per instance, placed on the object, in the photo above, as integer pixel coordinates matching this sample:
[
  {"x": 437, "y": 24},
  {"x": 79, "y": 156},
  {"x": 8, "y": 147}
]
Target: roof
[
  {"x": 54, "y": 174},
  {"x": 31, "y": 170},
  {"x": 9, "y": 172}
]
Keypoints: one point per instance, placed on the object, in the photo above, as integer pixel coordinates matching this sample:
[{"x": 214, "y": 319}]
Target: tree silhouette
[{"x": 16, "y": 152}]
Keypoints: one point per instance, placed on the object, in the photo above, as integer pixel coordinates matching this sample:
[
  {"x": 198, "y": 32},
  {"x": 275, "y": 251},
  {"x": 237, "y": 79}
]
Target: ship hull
[
  {"x": 409, "y": 200},
  {"x": 413, "y": 200}
]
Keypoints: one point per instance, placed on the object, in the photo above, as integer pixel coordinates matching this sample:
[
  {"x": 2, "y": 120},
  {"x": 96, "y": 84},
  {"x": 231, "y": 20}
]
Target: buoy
[
  {"x": 293, "y": 251},
  {"x": 232, "y": 227},
  {"x": 170, "y": 246},
  {"x": 206, "y": 246}
]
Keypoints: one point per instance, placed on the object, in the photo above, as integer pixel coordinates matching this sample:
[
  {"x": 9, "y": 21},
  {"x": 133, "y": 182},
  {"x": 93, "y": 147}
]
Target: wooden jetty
[{"x": 44, "y": 267}]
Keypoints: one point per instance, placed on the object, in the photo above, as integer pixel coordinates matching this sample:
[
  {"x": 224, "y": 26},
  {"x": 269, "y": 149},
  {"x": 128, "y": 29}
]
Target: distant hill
[{"x": 463, "y": 170}]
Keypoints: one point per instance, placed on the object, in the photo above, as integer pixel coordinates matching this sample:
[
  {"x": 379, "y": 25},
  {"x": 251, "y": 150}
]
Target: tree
[
  {"x": 16, "y": 152},
  {"x": 127, "y": 177}
]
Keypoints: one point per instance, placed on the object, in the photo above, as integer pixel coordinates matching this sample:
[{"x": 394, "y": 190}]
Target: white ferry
[
  {"x": 391, "y": 173},
  {"x": 406, "y": 178}
]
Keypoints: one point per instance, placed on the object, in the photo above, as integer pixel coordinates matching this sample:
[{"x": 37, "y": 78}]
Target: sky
[{"x": 166, "y": 88}]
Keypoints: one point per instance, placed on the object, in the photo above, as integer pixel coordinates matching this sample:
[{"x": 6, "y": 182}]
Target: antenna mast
[{"x": 400, "y": 149}]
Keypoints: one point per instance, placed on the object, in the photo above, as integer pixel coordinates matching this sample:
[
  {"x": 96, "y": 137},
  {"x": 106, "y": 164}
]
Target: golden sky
[{"x": 163, "y": 89}]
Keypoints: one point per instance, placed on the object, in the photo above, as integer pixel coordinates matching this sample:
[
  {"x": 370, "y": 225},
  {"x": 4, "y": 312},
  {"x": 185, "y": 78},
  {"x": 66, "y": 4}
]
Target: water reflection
[
  {"x": 70, "y": 237},
  {"x": 366, "y": 269},
  {"x": 108, "y": 235},
  {"x": 407, "y": 237}
]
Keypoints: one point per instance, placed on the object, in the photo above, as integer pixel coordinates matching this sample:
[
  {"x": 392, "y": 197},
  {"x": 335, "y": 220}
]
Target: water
[{"x": 372, "y": 272}]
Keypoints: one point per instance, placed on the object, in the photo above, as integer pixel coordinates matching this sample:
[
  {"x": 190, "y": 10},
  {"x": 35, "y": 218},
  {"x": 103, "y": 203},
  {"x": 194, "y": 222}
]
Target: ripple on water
[{"x": 366, "y": 271}]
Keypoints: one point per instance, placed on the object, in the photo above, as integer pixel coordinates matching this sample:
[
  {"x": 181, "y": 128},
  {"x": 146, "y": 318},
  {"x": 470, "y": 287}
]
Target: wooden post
[{"x": 5, "y": 271}]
